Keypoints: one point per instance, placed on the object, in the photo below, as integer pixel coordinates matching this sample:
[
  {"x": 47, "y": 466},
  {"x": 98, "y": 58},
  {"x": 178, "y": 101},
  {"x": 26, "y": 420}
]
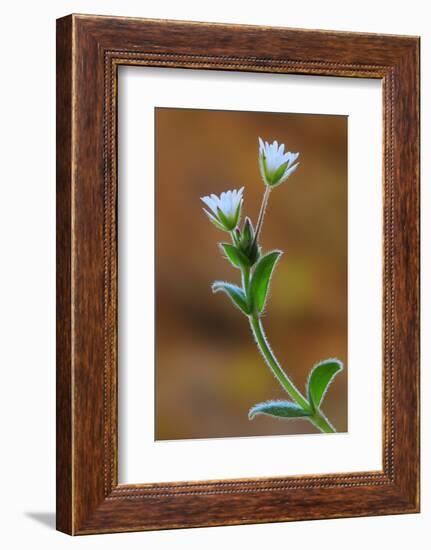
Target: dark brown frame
[{"x": 89, "y": 51}]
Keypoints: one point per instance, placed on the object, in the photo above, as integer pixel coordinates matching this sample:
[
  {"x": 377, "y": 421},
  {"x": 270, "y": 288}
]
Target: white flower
[
  {"x": 226, "y": 209},
  {"x": 275, "y": 165}
]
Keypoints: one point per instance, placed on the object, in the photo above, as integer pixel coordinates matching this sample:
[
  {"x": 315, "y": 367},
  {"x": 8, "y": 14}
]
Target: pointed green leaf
[
  {"x": 320, "y": 379},
  {"x": 238, "y": 213},
  {"x": 214, "y": 220},
  {"x": 235, "y": 293},
  {"x": 236, "y": 257},
  {"x": 282, "y": 409},
  {"x": 261, "y": 277},
  {"x": 228, "y": 223},
  {"x": 279, "y": 173},
  {"x": 264, "y": 169}
]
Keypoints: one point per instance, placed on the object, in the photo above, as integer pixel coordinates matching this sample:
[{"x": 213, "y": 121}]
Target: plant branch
[
  {"x": 274, "y": 365},
  {"x": 318, "y": 418},
  {"x": 262, "y": 213}
]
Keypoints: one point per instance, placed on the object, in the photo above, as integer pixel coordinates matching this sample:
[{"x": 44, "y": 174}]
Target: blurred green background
[{"x": 208, "y": 369}]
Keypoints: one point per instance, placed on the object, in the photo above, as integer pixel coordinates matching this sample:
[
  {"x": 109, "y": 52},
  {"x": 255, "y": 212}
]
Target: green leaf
[
  {"x": 236, "y": 257},
  {"x": 235, "y": 293},
  {"x": 228, "y": 223},
  {"x": 320, "y": 379},
  {"x": 264, "y": 169},
  {"x": 282, "y": 409},
  {"x": 261, "y": 277},
  {"x": 214, "y": 220},
  {"x": 279, "y": 173}
]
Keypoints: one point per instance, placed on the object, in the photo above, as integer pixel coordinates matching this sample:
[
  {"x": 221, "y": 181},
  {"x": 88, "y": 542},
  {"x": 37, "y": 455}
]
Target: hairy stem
[
  {"x": 245, "y": 279},
  {"x": 321, "y": 422},
  {"x": 234, "y": 237},
  {"x": 274, "y": 365},
  {"x": 318, "y": 418},
  {"x": 262, "y": 212}
]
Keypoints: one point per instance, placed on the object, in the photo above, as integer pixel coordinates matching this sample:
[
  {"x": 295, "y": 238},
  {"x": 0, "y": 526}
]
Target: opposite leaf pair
[
  {"x": 318, "y": 383},
  {"x": 250, "y": 300}
]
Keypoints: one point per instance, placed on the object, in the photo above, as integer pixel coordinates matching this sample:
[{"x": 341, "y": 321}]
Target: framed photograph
[{"x": 237, "y": 274}]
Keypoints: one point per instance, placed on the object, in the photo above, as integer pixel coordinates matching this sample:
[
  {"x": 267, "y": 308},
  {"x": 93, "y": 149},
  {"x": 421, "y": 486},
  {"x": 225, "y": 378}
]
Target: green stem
[
  {"x": 245, "y": 271},
  {"x": 245, "y": 279},
  {"x": 318, "y": 419},
  {"x": 321, "y": 422},
  {"x": 262, "y": 212},
  {"x": 233, "y": 237},
  {"x": 274, "y": 365}
]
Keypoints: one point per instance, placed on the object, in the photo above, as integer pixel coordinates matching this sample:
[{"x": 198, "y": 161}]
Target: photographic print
[
  {"x": 191, "y": 370},
  {"x": 251, "y": 273},
  {"x": 237, "y": 274}
]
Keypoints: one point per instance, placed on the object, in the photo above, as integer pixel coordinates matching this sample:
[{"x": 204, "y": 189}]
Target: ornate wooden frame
[{"x": 89, "y": 51}]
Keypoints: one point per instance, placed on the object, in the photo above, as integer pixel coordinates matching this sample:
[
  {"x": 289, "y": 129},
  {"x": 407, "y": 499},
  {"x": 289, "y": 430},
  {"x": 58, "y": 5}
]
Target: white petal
[
  {"x": 230, "y": 205},
  {"x": 289, "y": 172},
  {"x": 227, "y": 202},
  {"x": 216, "y": 200},
  {"x": 210, "y": 203},
  {"x": 290, "y": 157},
  {"x": 287, "y": 157}
]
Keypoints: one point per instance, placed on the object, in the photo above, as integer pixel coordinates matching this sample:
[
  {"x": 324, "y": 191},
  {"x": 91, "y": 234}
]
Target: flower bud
[{"x": 247, "y": 242}]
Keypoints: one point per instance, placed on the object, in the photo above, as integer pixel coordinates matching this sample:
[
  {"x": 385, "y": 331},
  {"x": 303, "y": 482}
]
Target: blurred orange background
[{"x": 208, "y": 369}]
